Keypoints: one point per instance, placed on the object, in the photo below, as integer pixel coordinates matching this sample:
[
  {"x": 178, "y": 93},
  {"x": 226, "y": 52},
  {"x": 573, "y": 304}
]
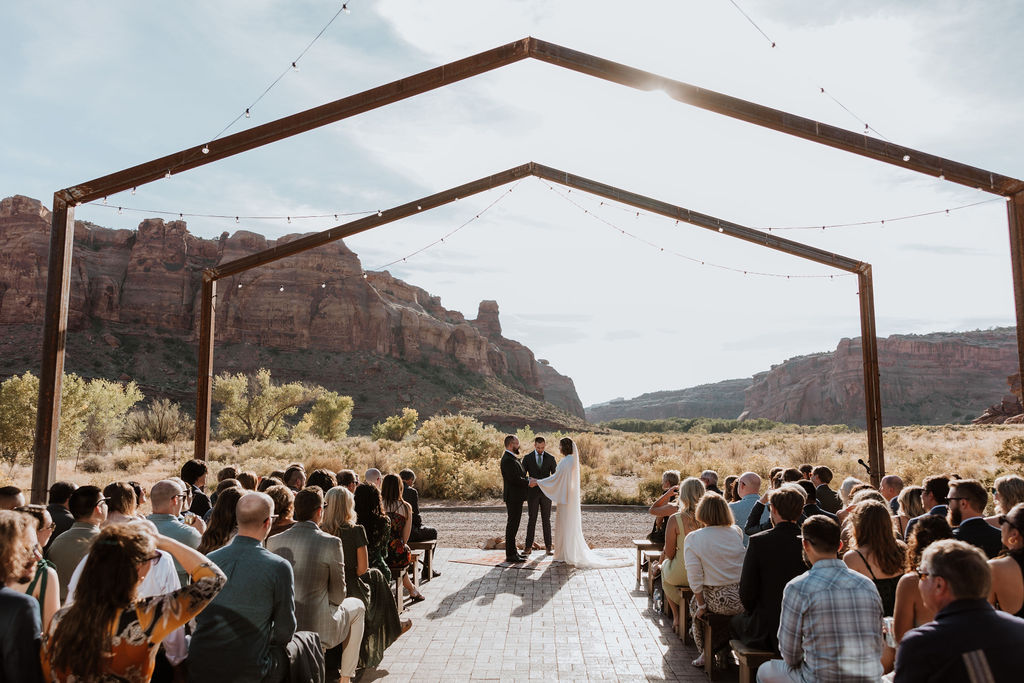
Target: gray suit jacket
[{"x": 318, "y": 560}]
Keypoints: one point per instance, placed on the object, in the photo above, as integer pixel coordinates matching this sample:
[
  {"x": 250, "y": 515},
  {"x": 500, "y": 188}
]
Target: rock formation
[{"x": 721, "y": 399}]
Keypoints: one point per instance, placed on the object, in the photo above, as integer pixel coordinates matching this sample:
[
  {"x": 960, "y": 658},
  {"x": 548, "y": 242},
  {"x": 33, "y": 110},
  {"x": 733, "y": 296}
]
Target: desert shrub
[
  {"x": 92, "y": 464},
  {"x": 481, "y": 479},
  {"x": 253, "y": 408},
  {"x": 396, "y": 427},
  {"x": 461, "y": 434},
  {"x": 161, "y": 422},
  {"x": 328, "y": 419},
  {"x": 1011, "y": 453},
  {"x": 130, "y": 462},
  {"x": 437, "y": 471},
  {"x": 649, "y": 489}
]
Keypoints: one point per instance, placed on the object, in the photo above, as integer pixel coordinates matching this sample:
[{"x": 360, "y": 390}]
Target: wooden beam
[
  {"x": 55, "y": 327},
  {"x": 1015, "y": 218},
  {"x": 872, "y": 379},
  {"x": 204, "y": 374}
]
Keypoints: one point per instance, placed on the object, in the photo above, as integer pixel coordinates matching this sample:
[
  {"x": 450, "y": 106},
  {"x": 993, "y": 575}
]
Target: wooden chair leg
[{"x": 709, "y": 649}]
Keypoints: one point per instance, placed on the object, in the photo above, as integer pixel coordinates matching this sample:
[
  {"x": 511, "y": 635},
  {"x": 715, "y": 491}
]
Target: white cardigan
[{"x": 714, "y": 556}]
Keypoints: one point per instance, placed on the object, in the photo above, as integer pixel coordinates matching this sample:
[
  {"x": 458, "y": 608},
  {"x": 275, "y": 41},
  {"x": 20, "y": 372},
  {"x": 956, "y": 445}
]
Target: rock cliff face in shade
[
  {"x": 939, "y": 378},
  {"x": 147, "y": 283}
]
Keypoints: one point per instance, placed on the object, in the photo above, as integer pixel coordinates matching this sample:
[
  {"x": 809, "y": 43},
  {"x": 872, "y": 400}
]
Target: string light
[
  {"x": 747, "y": 17},
  {"x": 295, "y": 67},
  {"x": 206, "y": 149},
  {"x": 133, "y": 191},
  {"x": 345, "y": 9},
  {"x": 237, "y": 218},
  {"x": 168, "y": 174}
]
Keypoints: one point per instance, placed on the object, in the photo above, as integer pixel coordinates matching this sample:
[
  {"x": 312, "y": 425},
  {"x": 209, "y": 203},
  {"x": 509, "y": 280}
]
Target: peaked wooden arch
[{"x": 64, "y": 201}]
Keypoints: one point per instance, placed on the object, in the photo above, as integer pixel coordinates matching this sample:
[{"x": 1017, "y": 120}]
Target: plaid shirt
[{"x": 831, "y": 626}]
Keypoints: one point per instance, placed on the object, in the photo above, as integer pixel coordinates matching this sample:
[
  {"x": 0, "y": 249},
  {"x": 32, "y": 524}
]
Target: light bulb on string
[
  {"x": 345, "y": 9},
  {"x": 418, "y": 207},
  {"x": 206, "y": 149},
  {"x": 281, "y": 288},
  {"x": 942, "y": 176},
  {"x": 120, "y": 210},
  {"x": 289, "y": 220},
  {"x": 721, "y": 230},
  {"x": 104, "y": 201},
  {"x": 295, "y": 67},
  {"x": 323, "y": 285},
  {"x": 247, "y": 114},
  {"x": 379, "y": 213},
  {"x": 906, "y": 157},
  {"x": 168, "y": 174},
  {"x": 236, "y": 220},
  {"x": 133, "y": 191},
  {"x": 239, "y": 285}
]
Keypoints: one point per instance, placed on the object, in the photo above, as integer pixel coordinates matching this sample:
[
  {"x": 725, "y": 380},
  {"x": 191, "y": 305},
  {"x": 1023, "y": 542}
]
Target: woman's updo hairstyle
[{"x": 565, "y": 445}]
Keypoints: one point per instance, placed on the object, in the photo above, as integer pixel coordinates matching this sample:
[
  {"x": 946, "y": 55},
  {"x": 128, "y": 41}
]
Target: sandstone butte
[{"x": 135, "y": 300}]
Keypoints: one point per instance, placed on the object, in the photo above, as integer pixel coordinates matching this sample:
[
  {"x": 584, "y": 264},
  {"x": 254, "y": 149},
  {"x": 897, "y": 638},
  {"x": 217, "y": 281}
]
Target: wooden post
[
  {"x": 1015, "y": 211},
  {"x": 204, "y": 375},
  {"x": 55, "y": 327},
  {"x": 872, "y": 387}
]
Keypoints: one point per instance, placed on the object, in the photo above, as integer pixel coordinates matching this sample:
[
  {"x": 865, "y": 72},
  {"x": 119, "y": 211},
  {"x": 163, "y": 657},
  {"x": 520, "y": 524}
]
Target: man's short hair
[
  {"x": 711, "y": 476},
  {"x": 307, "y": 502},
  {"x": 788, "y": 502},
  {"x": 248, "y": 480},
  {"x": 671, "y": 477},
  {"x": 10, "y": 495},
  {"x": 963, "y": 566},
  {"x": 539, "y": 439},
  {"x": 407, "y": 475},
  {"x": 284, "y": 499},
  {"x": 823, "y": 473},
  {"x": 508, "y": 439},
  {"x": 192, "y": 470},
  {"x": 938, "y": 486},
  {"x": 791, "y": 474},
  {"x": 821, "y": 533},
  {"x": 60, "y": 491},
  {"x": 808, "y": 488},
  {"x": 120, "y": 497},
  {"x": 346, "y": 478},
  {"x": 323, "y": 478},
  {"x": 229, "y": 472},
  {"x": 973, "y": 491},
  {"x": 806, "y": 469},
  {"x": 83, "y": 501}
]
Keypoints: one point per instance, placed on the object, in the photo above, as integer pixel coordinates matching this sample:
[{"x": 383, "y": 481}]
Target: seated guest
[
  {"x": 673, "y": 558},
  {"x": 100, "y": 635},
  {"x": 1008, "y": 490},
  {"x": 806, "y": 470},
  {"x": 828, "y": 600},
  {"x": 224, "y": 474},
  {"x": 221, "y": 485},
  {"x": 382, "y": 624},
  {"x": 348, "y": 479},
  {"x": 714, "y": 561},
  {"x": 419, "y": 532},
  {"x": 400, "y": 514},
  {"x": 89, "y": 508},
  {"x": 710, "y": 479},
  {"x": 322, "y": 478},
  {"x": 666, "y": 505},
  {"x": 754, "y": 524},
  {"x": 57, "y": 504},
  {"x": 248, "y": 632},
  {"x": 968, "y": 640},
  {"x": 321, "y": 602},
  {"x": 847, "y": 489},
  {"x": 910, "y": 611},
  {"x": 193, "y": 473},
  {"x": 828, "y": 500},
  {"x": 773, "y": 558},
  {"x": 933, "y": 498},
  {"x": 20, "y": 627},
  {"x": 890, "y": 487},
  {"x": 268, "y": 481},
  {"x": 790, "y": 475},
  {"x": 370, "y": 515},
  {"x": 284, "y": 506},
  {"x": 295, "y": 478},
  {"x": 248, "y": 480},
  {"x": 372, "y": 476},
  {"x": 121, "y": 503},
  {"x": 811, "y": 506},
  {"x": 967, "y": 501},
  {"x": 11, "y": 497},
  {"x": 730, "y": 489},
  {"x": 1007, "y": 591},
  {"x": 909, "y": 506},
  {"x": 223, "y": 524},
  {"x": 167, "y": 499},
  {"x": 748, "y": 489},
  {"x": 41, "y": 582}
]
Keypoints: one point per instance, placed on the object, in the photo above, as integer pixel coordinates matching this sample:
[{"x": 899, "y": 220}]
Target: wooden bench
[
  {"x": 684, "y": 614},
  {"x": 749, "y": 658},
  {"x": 428, "y": 548},
  {"x": 396, "y": 576},
  {"x": 713, "y": 624},
  {"x": 651, "y": 556},
  {"x": 642, "y": 544}
]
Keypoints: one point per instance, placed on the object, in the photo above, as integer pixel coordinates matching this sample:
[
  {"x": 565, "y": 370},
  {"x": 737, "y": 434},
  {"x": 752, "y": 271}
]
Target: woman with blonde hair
[
  {"x": 367, "y": 583},
  {"x": 673, "y": 562},
  {"x": 910, "y": 506},
  {"x": 1008, "y": 490},
  {"x": 121, "y": 503},
  {"x": 714, "y": 562}
]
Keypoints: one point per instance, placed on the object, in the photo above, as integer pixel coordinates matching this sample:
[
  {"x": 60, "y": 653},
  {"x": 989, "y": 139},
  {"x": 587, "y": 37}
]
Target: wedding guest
[
  {"x": 910, "y": 506},
  {"x": 295, "y": 478},
  {"x": 967, "y": 502},
  {"x": 322, "y": 478},
  {"x": 828, "y": 500},
  {"x": 1008, "y": 490},
  {"x": 321, "y": 601},
  {"x": 348, "y": 479},
  {"x": 382, "y": 623},
  {"x": 268, "y": 481},
  {"x": 933, "y": 498},
  {"x": 890, "y": 487},
  {"x": 221, "y": 486},
  {"x": 57, "y": 504},
  {"x": 11, "y": 497},
  {"x": 224, "y": 474},
  {"x": 710, "y": 479},
  {"x": 846, "y": 491},
  {"x": 754, "y": 524},
  {"x": 41, "y": 582},
  {"x": 748, "y": 488},
  {"x": 910, "y": 611},
  {"x": 714, "y": 562},
  {"x": 167, "y": 498},
  {"x": 811, "y": 506},
  {"x": 730, "y": 489},
  {"x": 1007, "y": 591},
  {"x": 666, "y": 505},
  {"x": 806, "y": 470},
  {"x": 790, "y": 475},
  {"x": 372, "y": 476},
  {"x": 827, "y": 600},
  {"x": 193, "y": 473},
  {"x": 223, "y": 524},
  {"x": 967, "y": 640},
  {"x": 89, "y": 508},
  {"x": 673, "y": 558},
  {"x": 370, "y": 515},
  {"x": 97, "y": 636},
  {"x": 20, "y": 627},
  {"x": 121, "y": 503},
  {"x": 276, "y": 474},
  {"x": 284, "y": 506},
  {"x": 400, "y": 514},
  {"x": 248, "y": 480},
  {"x": 140, "y": 494},
  {"x": 419, "y": 532}
]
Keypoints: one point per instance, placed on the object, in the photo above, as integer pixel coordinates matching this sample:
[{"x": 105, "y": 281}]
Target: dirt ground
[{"x": 471, "y": 526}]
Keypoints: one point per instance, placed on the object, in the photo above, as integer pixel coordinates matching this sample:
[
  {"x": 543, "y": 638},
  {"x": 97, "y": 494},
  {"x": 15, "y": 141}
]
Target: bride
[{"x": 563, "y": 488}]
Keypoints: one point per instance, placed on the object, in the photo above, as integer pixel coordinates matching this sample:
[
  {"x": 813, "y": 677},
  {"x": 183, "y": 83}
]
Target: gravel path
[{"x": 603, "y": 527}]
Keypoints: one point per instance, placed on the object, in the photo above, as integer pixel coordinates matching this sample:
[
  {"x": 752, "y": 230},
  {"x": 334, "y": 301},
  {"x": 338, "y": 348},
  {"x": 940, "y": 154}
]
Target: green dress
[
  {"x": 382, "y": 625},
  {"x": 673, "y": 570}
]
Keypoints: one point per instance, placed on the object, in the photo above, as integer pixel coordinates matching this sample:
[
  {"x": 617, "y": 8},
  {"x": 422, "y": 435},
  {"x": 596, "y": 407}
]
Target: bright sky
[{"x": 90, "y": 88}]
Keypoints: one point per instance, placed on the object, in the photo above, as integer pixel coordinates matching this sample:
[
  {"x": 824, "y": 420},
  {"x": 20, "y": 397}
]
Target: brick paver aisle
[{"x": 555, "y": 623}]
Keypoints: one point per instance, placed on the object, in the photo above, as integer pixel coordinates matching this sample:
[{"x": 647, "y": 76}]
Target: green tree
[
  {"x": 396, "y": 427},
  {"x": 107, "y": 404},
  {"x": 328, "y": 418},
  {"x": 253, "y": 408},
  {"x": 19, "y": 396},
  {"x": 461, "y": 434},
  {"x": 162, "y": 422}
]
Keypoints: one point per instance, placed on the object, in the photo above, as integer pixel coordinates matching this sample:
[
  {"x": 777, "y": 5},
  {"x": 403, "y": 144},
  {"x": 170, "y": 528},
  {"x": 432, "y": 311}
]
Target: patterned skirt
[{"x": 719, "y": 600}]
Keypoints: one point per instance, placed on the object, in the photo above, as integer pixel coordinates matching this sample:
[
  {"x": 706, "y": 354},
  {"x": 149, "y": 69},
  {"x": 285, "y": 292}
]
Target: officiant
[{"x": 538, "y": 464}]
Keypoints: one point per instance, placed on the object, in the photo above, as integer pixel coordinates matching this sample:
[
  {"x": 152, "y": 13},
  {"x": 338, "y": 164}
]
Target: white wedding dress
[{"x": 563, "y": 488}]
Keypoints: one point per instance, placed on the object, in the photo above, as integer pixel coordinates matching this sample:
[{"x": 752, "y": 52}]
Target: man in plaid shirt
[{"x": 831, "y": 626}]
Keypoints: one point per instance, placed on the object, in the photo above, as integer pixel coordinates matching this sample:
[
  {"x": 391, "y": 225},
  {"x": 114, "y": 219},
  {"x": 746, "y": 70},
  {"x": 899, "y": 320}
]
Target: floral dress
[{"x": 399, "y": 554}]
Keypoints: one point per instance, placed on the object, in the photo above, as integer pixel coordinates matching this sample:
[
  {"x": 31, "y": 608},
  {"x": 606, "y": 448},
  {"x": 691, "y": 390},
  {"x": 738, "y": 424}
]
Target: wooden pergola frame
[{"x": 64, "y": 201}]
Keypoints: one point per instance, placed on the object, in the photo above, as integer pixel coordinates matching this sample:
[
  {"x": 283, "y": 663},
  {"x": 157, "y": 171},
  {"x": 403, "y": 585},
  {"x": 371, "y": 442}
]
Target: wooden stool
[
  {"x": 713, "y": 623},
  {"x": 750, "y": 659},
  {"x": 651, "y": 556},
  {"x": 427, "y": 547},
  {"x": 684, "y": 614},
  {"x": 642, "y": 544}
]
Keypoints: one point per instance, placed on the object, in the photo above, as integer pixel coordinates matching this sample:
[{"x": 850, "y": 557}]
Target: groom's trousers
[
  {"x": 538, "y": 503},
  {"x": 514, "y": 508}
]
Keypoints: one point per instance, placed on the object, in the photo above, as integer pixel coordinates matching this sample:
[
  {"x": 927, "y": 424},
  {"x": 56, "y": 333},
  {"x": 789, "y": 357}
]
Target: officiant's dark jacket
[
  {"x": 980, "y": 533},
  {"x": 514, "y": 481},
  {"x": 545, "y": 469}
]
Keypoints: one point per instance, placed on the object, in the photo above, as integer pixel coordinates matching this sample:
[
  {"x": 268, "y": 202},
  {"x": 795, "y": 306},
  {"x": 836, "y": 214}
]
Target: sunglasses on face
[{"x": 922, "y": 573}]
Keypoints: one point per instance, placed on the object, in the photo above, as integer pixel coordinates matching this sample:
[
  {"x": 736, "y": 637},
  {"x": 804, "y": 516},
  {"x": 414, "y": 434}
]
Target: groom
[
  {"x": 515, "y": 487},
  {"x": 538, "y": 465}
]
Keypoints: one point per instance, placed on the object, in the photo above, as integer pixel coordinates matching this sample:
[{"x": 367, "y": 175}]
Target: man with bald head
[
  {"x": 890, "y": 487},
  {"x": 748, "y": 489},
  {"x": 244, "y": 632},
  {"x": 372, "y": 476},
  {"x": 167, "y": 498}
]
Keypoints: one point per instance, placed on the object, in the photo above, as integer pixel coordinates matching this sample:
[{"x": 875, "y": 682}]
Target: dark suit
[
  {"x": 773, "y": 558},
  {"x": 515, "y": 486},
  {"x": 938, "y": 511},
  {"x": 964, "y": 633},
  {"x": 20, "y": 637},
  {"x": 63, "y": 520},
  {"x": 419, "y": 532},
  {"x": 828, "y": 499},
  {"x": 978, "y": 532},
  {"x": 535, "y": 498},
  {"x": 812, "y": 509}
]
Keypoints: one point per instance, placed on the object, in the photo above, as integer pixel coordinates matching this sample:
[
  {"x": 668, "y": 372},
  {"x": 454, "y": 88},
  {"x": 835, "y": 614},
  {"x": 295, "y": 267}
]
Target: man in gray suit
[{"x": 320, "y": 603}]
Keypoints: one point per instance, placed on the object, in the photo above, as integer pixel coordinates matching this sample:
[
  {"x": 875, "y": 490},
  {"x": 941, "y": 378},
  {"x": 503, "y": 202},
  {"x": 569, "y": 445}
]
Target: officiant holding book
[{"x": 538, "y": 465}]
